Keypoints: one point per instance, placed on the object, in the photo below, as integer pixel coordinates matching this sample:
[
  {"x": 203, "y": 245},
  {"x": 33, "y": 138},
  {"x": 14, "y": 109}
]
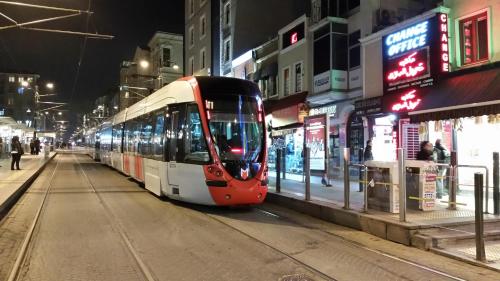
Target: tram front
[{"x": 235, "y": 128}]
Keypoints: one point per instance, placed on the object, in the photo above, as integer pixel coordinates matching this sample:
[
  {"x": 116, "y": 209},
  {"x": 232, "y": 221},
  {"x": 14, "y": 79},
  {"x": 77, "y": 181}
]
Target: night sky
[{"x": 55, "y": 56}]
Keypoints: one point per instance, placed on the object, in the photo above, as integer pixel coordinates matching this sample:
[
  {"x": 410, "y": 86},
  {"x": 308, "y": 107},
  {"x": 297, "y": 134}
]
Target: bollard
[
  {"x": 452, "y": 191},
  {"x": 478, "y": 205},
  {"x": 496, "y": 183},
  {"x": 347, "y": 187},
  {"x": 402, "y": 185},
  {"x": 278, "y": 170},
  {"x": 307, "y": 171}
]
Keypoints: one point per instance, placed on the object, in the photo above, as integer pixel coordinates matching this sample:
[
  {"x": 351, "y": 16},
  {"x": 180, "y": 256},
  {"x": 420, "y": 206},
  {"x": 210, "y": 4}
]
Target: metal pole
[
  {"x": 278, "y": 170},
  {"x": 402, "y": 184},
  {"x": 347, "y": 185},
  {"x": 308, "y": 174},
  {"x": 496, "y": 185},
  {"x": 487, "y": 189},
  {"x": 454, "y": 182},
  {"x": 283, "y": 157},
  {"x": 478, "y": 201},
  {"x": 365, "y": 190}
]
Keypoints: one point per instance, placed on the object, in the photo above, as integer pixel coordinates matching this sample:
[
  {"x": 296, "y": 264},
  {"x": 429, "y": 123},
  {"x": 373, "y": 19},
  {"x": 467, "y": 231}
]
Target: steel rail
[
  {"x": 358, "y": 245},
  {"x": 118, "y": 227},
  {"x": 27, "y": 239}
]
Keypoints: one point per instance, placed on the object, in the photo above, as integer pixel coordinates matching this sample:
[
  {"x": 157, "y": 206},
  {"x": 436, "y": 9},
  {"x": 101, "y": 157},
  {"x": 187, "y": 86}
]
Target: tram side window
[
  {"x": 126, "y": 136},
  {"x": 133, "y": 130},
  {"x": 158, "y": 135},
  {"x": 176, "y": 133},
  {"x": 117, "y": 138},
  {"x": 106, "y": 139},
  {"x": 146, "y": 135},
  {"x": 194, "y": 141}
]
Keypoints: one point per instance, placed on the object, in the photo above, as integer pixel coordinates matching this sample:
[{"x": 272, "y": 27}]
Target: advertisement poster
[
  {"x": 315, "y": 140},
  {"x": 429, "y": 189}
]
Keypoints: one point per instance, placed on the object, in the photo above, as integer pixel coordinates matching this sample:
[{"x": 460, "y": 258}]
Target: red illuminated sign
[
  {"x": 408, "y": 67},
  {"x": 294, "y": 38},
  {"x": 443, "y": 21},
  {"x": 408, "y": 101}
]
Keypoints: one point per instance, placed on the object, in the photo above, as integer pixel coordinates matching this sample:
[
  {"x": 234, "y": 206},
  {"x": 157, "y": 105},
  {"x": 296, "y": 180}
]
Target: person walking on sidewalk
[
  {"x": 16, "y": 152},
  {"x": 32, "y": 147},
  {"x": 367, "y": 154}
]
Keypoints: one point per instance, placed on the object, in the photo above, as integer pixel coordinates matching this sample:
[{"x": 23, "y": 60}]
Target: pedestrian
[
  {"x": 37, "y": 146},
  {"x": 32, "y": 147},
  {"x": 426, "y": 152},
  {"x": 16, "y": 152},
  {"x": 442, "y": 155},
  {"x": 367, "y": 154}
]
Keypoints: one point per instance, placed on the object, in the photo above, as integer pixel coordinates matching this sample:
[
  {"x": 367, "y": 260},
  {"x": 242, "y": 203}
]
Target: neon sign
[
  {"x": 294, "y": 38},
  {"x": 407, "y": 39},
  {"x": 409, "y": 101},
  {"x": 443, "y": 37},
  {"x": 409, "y": 67}
]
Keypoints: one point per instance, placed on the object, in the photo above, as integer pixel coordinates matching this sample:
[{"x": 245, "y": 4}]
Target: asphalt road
[{"x": 96, "y": 224}]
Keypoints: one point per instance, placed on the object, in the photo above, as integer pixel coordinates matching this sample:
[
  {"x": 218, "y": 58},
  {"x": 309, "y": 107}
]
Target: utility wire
[{"x": 82, "y": 53}]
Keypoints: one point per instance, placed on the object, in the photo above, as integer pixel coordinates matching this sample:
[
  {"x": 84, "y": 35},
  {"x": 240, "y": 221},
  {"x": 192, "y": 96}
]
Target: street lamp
[
  {"x": 144, "y": 64},
  {"x": 59, "y": 113},
  {"x": 50, "y": 85},
  {"x": 24, "y": 83}
]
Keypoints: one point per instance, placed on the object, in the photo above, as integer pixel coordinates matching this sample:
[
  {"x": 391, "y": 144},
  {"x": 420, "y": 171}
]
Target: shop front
[
  {"x": 335, "y": 138},
  {"x": 286, "y": 132}
]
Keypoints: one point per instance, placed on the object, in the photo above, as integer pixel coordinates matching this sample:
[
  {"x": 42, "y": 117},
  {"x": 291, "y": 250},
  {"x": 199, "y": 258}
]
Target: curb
[{"x": 7, "y": 205}]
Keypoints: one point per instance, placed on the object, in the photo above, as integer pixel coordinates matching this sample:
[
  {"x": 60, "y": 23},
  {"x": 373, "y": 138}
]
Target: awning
[{"x": 465, "y": 93}]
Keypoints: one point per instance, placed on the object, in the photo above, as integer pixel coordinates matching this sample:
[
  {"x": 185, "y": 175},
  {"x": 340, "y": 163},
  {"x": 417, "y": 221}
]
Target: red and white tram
[{"x": 198, "y": 139}]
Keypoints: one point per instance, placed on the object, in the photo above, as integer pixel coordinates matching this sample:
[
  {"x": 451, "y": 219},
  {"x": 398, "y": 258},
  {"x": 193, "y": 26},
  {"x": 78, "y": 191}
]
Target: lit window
[
  {"x": 474, "y": 39},
  {"x": 12, "y": 79}
]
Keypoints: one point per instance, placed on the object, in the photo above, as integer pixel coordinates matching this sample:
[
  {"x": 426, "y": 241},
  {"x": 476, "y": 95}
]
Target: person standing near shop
[
  {"x": 32, "y": 147},
  {"x": 367, "y": 154},
  {"x": 442, "y": 156},
  {"x": 426, "y": 152},
  {"x": 37, "y": 146},
  {"x": 16, "y": 152}
]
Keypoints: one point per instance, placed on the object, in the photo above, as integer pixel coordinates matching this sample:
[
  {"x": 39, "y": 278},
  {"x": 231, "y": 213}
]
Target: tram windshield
[{"x": 236, "y": 126}]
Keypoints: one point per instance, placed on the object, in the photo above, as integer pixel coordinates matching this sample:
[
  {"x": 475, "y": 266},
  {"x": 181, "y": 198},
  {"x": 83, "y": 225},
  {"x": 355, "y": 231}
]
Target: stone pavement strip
[{"x": 12, "y": 183}]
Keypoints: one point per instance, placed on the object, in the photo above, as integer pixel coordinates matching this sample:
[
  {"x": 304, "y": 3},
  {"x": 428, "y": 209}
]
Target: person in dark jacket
[
  {"x": 16, "y": 152},
  {"x": 37, "y": 146},
  {"x": 426, "y": 151},
  {"x": 367, "y": 154}
]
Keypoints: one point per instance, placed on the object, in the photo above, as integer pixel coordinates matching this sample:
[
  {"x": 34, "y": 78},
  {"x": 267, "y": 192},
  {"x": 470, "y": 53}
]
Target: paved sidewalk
[{"x": 12, "y": 183}]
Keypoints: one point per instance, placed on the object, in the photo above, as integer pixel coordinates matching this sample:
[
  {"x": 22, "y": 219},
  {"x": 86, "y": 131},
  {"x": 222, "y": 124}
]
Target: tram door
[{"x": 175, "y": 146}]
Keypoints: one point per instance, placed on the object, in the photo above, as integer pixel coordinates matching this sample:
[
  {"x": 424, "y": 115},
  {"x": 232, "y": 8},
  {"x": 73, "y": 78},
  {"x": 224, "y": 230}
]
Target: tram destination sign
[{"x": 416, "y": 55}]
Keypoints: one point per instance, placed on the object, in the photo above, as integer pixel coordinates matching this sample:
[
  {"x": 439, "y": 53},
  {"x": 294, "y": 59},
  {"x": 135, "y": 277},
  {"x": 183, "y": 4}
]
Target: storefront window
[
  {"x": 291, "y": 142},
  {"x": 384, "y": 141}
]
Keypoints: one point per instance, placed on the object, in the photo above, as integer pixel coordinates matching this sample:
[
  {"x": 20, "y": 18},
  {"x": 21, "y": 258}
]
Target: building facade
[
  {"x": 17, "y": 96},
  {"x": 435, "y": 76},
  {"x": 166, "y": 57}
]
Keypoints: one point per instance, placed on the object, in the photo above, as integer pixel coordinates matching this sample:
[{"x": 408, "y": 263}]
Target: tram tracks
[
  {"x": 147, "y": 274},
  {"x": 22, "y": 255}
]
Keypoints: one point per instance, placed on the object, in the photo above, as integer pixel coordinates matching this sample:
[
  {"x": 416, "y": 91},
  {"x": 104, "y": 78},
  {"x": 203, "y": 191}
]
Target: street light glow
[
  {"x": 50, "y": 85},
  {"x": 144, "y": 63},
  {"x": 60, "y": 113},
  {"x": 175, "y": 67},
  {"x": 25, "y": 84}
]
